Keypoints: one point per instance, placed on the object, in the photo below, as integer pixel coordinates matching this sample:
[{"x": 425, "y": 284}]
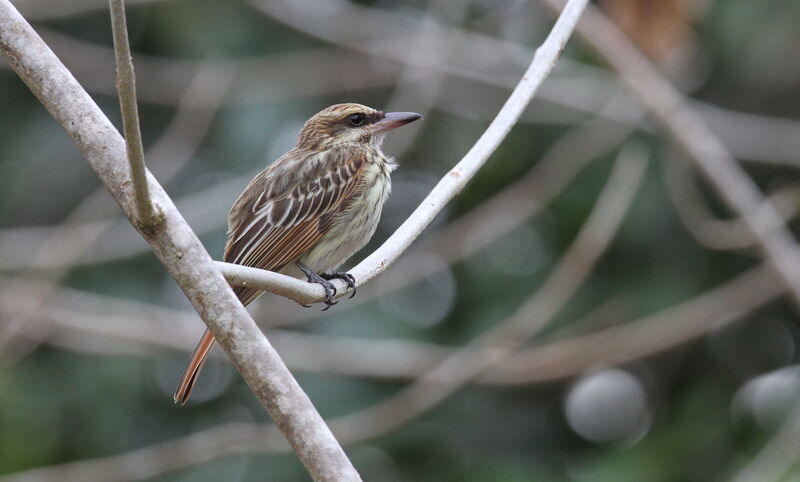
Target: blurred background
[{"x": 647, "y": 344}]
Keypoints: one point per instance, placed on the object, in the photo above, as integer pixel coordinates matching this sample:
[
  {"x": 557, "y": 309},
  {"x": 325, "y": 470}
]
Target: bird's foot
[
  {"x": 313, "y": 277},
  {"x": 346, "y": 277}
]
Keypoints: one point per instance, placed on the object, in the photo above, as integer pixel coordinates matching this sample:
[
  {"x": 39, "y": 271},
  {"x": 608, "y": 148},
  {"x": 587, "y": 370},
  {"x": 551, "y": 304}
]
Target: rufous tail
[{"x": 195, "y": 364}]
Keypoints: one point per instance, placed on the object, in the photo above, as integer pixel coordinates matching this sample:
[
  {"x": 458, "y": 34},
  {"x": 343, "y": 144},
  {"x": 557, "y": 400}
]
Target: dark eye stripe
[{"x": 368, "y": 118}]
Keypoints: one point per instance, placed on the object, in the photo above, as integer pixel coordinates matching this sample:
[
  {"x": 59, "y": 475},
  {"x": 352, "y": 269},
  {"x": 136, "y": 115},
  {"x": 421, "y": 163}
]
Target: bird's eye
[{"x": 356, "y": 120}]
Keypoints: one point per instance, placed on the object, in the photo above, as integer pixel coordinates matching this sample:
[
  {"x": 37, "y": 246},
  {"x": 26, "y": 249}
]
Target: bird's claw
[
  {"x": 346, "y": 277},
  {"x": 330, "y": 292},
  {"x": 324, "y": 280}
]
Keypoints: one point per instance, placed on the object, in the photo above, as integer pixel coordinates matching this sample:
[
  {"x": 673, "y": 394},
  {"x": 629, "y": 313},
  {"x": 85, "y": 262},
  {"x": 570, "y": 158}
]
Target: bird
[{"x": 311, "y": 209}]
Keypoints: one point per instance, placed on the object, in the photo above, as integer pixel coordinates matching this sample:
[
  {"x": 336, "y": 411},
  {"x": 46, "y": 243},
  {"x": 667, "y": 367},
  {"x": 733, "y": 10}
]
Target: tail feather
[
  {"x": 193, "y": 369},
  {"x": 245, "y": 295}
]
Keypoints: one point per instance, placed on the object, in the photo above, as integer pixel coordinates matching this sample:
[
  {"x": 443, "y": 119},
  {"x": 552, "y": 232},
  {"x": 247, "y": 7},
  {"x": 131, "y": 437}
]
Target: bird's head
[{"x": 350, "y": 123}]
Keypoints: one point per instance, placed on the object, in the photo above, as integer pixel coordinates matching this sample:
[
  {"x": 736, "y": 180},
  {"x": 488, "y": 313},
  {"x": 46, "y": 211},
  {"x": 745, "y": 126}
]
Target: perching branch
[
  {"x": 178, "y": 249},
  {"x": 126, "y": 86}
]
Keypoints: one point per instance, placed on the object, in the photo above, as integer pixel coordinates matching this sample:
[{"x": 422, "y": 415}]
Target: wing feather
[{"x": 287, "y": 219}]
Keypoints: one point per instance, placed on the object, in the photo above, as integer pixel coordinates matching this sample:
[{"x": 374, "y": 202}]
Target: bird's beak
[{"x": 393, "y": 120}]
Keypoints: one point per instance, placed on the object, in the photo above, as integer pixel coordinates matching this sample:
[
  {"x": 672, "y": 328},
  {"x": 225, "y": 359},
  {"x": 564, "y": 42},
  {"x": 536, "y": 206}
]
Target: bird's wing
[{"x": 288, "y": 207}]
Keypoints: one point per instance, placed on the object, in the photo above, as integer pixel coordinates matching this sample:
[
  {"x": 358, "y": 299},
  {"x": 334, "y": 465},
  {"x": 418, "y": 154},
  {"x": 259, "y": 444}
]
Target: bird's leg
[
  {"x": 346, "y": 277},
  {"x": 313, "y": 277}
]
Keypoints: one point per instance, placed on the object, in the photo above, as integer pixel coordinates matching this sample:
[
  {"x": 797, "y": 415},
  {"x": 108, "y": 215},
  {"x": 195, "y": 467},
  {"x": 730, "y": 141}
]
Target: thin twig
[{"x": 147, "y": 216}]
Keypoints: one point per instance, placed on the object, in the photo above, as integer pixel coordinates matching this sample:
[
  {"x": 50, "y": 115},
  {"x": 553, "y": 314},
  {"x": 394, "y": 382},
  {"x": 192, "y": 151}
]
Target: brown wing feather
[{"x": 278, "y": 230}]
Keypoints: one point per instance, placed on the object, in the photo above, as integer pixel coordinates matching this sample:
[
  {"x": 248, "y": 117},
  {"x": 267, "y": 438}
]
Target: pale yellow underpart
[{"x": 353, "y": 228}]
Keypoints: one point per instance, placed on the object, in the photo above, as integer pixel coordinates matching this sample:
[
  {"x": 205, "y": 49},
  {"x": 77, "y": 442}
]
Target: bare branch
[
  {"x": 178, "y": 249},
  {"x": 148, "y": 217}
]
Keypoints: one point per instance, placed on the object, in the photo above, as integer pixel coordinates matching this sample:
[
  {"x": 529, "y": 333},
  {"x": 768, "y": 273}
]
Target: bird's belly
[{"x": 352, "y": 230}]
